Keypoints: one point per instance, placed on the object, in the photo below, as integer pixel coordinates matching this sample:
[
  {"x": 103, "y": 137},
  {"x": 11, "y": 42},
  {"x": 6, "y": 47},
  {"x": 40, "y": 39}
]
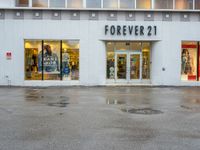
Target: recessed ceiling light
[
  {"x": 56, "y": 14},
  {"x": 74, "y": 14},
  {"x": 185, "y": 15},
  {"x": 93, "y": 14},
  {"x": 18, "y": 14},
  {"x": 37, "y": 14},
  {"x": 167, "y": 15},
  {"x": 149, "y": 15},
  {"x": 130, "y": 15},
  {"x": 112, "y": 15}
]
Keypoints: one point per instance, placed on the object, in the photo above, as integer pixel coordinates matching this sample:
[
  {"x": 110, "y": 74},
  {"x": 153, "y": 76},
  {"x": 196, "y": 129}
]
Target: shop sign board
[
  {"x": 131, "y": 30},
  {"x": 8, "y": 55}
]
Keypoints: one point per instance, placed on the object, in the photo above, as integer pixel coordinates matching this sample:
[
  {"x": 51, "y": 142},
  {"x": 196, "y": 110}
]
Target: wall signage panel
[{"x": 130, "y": 30}]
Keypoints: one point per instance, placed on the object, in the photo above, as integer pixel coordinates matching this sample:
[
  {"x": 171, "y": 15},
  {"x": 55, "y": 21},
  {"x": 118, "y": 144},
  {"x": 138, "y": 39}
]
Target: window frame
[
  {"x": 197, "y": 62},
  {"x": 60, "y": 58}
]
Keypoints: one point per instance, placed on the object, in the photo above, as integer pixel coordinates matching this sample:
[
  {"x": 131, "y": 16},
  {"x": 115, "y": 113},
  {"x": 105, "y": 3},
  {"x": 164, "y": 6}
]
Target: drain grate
[{"x": 142, "y": 111}]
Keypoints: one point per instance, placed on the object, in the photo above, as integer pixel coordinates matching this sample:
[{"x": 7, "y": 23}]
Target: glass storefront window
[
  {"x": 45, "y": 60},
  {"x": 136, "y": 46},
  {"x": 70, "y": 60},
  {"x": 163, "y": 4},
  {"x": 110, "y": 3},
  {"x": 189, "y": 61},
  {"x": 143, "y": 4},
  {"x": 74, "y": 3},
  {"x": 146, "y": 60},
  {"x": 197, "y": 4},
  {"x": 184, "y": 4},
  {"x": 32, "y": 49},
  {"x": 122, "y": 46},
  {"x": 57, "y": 3},
  {"x": 40, "y": 3},
  {"x": 93, "y": 3},
  {"x": 110, "y": 60},
  {"x": 127, "y": 4},
  {"x": 22, "y": 3}
]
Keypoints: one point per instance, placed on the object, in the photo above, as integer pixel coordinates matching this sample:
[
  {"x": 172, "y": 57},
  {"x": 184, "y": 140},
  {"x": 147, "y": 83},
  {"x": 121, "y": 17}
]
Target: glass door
[
  {"x": 135, "y": 66},
  {"x": 121, "y": 66},
  {"x": 128, "y": 66}
]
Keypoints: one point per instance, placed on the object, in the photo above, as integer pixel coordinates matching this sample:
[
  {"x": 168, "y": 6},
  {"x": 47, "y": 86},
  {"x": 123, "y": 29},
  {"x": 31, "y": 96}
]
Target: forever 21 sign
[{"x": 125, "y": 30}]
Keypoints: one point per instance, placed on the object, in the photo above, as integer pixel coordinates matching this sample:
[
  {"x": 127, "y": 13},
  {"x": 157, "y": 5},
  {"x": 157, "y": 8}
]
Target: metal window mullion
[
  {"x": 118, "y": 4},
  {"x": 65, "y": 3},
  {"x": 61, "y": 67},
  {"x": 193, "y": 4},
  {"x": 84, "y": 4},
  {"x": 48, "y": 4},
  {"x": 30, "y": 3},
  {"x": 152, "y": 4},
  {"x": 42, "y": 60},
  {"x": 198, "y": 53},
  {"x": 174, "y": 4},
  {"x": 135, "y": 4},
  {"x": 102, "y": 3}
]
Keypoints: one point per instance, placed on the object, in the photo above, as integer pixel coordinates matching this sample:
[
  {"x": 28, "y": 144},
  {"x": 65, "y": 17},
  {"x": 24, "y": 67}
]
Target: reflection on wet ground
[
  {"x": 100, "y": 118},
  {"x": 192, "y": 104},
  {"x": 143, "y": 111},
  {"x": 62, "y": 103},
  {"x": 114, "y": 102}
]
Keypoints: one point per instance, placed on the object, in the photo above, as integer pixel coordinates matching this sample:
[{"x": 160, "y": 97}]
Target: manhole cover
[
  {"x": 62, "y": 103},
  {"x": 143, "y": 111}
]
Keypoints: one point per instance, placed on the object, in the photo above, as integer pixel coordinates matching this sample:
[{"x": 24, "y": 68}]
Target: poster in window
[
  {"x": 188, "y": 62},
  {"x": 50, "y": 61}
]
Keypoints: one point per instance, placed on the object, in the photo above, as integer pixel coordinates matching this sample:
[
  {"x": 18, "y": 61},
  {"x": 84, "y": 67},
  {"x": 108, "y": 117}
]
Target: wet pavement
[{"x": 100, "y": 118}]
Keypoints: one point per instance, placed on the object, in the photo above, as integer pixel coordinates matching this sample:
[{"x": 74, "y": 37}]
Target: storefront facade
[{"x": 62, "y": 47}]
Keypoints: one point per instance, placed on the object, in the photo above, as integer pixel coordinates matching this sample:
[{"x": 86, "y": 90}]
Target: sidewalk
[{"x": 100, "y": 118}]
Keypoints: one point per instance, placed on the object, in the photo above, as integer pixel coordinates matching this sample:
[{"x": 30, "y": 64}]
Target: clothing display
[{"x": 65, "y": 64}]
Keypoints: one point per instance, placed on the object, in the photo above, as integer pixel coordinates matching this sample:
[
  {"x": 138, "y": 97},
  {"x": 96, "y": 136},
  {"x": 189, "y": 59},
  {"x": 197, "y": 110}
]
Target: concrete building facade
[{"x": 56, "y": 43}]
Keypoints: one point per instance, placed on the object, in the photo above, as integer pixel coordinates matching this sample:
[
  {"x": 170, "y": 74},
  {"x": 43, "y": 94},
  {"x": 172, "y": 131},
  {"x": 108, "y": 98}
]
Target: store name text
[{"x": 125, "y": 30}]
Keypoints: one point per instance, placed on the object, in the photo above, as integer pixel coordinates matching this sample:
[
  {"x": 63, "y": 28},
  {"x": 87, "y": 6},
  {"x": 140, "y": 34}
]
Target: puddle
[
  {"x": 62, "y": 103},
  {"x": 195, "y": 101},
  {"x": 35, "y": 97},
  {"x": 56, "y": 101},
  {"x": 142, "y": 111},
  {"x": 193, "y": 105},
  {"x": 192, "y": 108},
  {"x": 114, "y": 102}
]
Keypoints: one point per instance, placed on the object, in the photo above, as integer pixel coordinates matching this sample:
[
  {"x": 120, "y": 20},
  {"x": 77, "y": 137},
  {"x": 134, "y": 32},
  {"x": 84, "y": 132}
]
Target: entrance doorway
[
  {"x": 128, "y": 66},
  {"x": 128, "y": 62}
]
